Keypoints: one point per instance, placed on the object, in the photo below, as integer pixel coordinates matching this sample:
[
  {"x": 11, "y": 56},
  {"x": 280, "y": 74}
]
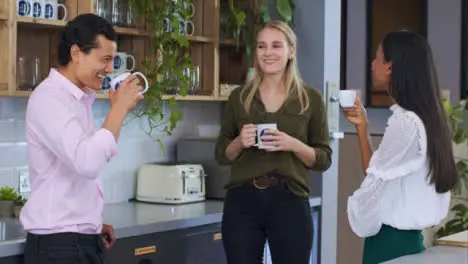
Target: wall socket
[{"x": 24, "y": 181}]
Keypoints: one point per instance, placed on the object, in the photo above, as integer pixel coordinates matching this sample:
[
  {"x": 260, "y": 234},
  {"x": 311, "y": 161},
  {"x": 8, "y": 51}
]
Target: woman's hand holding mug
[
  {"x": 247, "y": 135},
  {"x": 356, "y": 114}
]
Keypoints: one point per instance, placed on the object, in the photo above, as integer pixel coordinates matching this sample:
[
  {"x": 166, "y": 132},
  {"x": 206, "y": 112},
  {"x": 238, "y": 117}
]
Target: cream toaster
[{"x": 170, "y": 184}]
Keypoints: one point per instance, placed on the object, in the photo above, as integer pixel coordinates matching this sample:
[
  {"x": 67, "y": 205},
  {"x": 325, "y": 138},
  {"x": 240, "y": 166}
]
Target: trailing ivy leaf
[
  {"x": 182, "y": 40},
  {"x": 161, "y": 146},
  {"x": 264, "y": 15},
  {"x": 293, "y": 3},
  {"x": 284, "y": 9}
]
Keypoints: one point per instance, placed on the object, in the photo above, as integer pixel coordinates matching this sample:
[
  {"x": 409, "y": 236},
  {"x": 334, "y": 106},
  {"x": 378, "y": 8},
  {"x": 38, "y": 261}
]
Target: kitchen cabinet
[
  {"x": 12, "y": 260},
  {"x": 166, "y": 247},
  {"x": 205, "y": 246},
  {"x": 196, "y": 245},
  {"x": 186, "y": 246}
]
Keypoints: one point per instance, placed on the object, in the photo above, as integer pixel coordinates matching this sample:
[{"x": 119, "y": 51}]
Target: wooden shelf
[
  {"x": 21, "y": 38},
  {"x": 195, "y": 97},
  {"x": 228, "y": 42},
  {"x": 51, "y": 23},
  {"x": 22, "y": 93},
  {"x": 200, "y": 39},
  {"x": 130, "y": 31}
]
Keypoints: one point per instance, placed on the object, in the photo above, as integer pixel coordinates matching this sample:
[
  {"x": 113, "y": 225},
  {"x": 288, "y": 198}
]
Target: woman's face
[
  {"x": 273, "y": 51},
  {"x": 381, "y": 70}
]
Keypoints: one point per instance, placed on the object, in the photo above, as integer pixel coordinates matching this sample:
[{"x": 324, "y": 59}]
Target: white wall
[{"x": 134, "y": 147}]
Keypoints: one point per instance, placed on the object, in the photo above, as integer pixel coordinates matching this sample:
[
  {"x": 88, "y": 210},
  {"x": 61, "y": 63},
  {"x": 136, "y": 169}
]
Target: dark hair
[
  {"x": 414, "y": 86},
  {"x": 82, "y": 31}
]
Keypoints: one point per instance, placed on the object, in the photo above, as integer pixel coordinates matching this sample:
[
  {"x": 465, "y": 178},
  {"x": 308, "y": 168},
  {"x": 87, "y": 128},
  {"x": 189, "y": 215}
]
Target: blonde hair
[{"x": 292, "y": 79}]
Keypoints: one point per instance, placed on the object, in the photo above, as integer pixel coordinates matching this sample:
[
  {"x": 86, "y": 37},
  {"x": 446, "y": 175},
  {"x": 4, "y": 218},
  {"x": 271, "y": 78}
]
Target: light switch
[{"x": 24, "y": 181}]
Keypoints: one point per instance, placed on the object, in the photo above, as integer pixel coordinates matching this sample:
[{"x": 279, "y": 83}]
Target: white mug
[
  {"x": 51, "y": 8},
  {"x": 37, "y": 8},
  {"x": 186, "y": 27},
  {"x": 120, "y": 62},
  {"x": 114, "y": 83},
  {"x": 347, "y": 98},
  {"x": 23, "y": 7},
  {"x": 261, "y": 131}
]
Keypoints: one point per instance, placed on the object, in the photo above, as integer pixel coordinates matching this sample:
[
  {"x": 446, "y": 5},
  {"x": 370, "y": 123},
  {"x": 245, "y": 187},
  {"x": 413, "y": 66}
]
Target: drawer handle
[
  {"x": 145, "y": 250},
  {"x": 217, "y": 236}
]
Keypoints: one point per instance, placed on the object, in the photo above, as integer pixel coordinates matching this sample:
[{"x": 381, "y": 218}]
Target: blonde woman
[{"x": 267, "y": 197}]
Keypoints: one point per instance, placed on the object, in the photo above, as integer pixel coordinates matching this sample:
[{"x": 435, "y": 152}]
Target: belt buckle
[{"x": 258, "y": 186}]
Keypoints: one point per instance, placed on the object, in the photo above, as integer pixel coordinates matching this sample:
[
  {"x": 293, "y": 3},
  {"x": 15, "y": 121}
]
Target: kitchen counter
[
  {"x": 435, "y": 255},
  {"x": 133, "y": 219}
]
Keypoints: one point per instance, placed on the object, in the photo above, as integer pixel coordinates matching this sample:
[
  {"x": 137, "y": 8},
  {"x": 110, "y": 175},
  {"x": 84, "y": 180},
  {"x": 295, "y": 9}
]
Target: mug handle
[
  {"x": 133, "y": 62},
  {"x": 64, "y": 12},
  {"x": 189, "y": 24},
  {"x": 192, "y": 9},
  {"x": 144, "y": 79}
]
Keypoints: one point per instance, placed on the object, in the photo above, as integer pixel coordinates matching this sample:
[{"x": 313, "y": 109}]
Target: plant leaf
[{"x": 284, "y": 9}]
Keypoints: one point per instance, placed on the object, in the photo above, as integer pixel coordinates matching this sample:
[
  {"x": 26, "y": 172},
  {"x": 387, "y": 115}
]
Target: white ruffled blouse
[{"x": 396, "y": 190}]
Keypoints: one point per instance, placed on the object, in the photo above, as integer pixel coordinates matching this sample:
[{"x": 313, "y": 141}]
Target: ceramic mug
[
  {"x": 37, "y": 8},
  {"x": 121, "y": 62},
  {"x": 347, "y": 98},
  {"x": 114, "y": 83},
  {"x": 261, "y": 131},
  {"x": 23, "y": 7}
]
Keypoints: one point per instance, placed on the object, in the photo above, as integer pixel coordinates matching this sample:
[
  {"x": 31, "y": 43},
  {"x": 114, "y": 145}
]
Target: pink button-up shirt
[{"x": 66, "y": 154}]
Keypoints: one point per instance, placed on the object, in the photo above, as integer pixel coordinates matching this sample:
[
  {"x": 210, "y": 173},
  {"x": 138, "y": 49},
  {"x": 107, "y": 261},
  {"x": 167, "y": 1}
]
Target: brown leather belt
[{"x": 268, "y": 180}]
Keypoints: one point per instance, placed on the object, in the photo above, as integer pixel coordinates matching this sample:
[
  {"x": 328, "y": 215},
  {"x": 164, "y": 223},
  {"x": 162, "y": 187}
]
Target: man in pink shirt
[{"x": 63, "y": 216}]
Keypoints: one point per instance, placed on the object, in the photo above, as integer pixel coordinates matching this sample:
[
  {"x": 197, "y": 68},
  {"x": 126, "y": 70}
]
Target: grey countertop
[
  {"x": 133, "y": 219},
  {"x": 435, "y": 255}
]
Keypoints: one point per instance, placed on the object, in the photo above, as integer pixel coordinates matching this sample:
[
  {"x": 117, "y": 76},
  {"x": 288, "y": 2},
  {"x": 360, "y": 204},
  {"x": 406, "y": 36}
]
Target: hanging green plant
[
  {"x": 165, "y": 64},
  {"x": 457, "y": 115},
  {"x": 238, "y": 18}
]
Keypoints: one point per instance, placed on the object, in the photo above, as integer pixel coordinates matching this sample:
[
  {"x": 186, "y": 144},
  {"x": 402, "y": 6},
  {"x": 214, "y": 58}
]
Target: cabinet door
[
  {"x": 148, "y": 249},
  {"x": 12, "y": 260},
  {"x": 205, "y": 246}
]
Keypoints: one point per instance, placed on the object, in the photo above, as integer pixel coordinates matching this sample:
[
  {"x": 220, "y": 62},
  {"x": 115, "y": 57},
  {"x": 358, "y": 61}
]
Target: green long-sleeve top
[{"x": 310, "y": 127}]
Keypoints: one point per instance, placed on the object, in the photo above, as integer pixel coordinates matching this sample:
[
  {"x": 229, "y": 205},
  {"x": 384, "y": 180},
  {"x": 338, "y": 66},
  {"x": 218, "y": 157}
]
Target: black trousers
[
  {"x": 253, "y": 216},
  {"x": 63, "y": 248}
]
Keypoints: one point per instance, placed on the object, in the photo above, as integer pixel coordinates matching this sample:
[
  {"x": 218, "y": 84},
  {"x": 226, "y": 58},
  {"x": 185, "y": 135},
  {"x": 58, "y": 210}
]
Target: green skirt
[{"x": 391, "y": 243}]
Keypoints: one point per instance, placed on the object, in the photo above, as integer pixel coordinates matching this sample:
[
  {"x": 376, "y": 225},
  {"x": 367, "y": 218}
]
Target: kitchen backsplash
[{"x": 134, "y": 147}]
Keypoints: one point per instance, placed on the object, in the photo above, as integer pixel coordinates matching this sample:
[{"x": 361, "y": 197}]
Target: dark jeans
[
  {"x": 63, "y": 248},
  {"x": 251, "y": 216}
]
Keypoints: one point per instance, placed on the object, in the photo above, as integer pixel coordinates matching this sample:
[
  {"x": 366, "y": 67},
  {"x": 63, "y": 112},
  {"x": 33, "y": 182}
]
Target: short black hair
[
  {"x": 414, "y": 86},
  {"x": 82, "y": 31}
]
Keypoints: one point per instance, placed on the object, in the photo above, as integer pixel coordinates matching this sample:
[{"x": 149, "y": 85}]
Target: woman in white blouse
[{"x": 409, "y": 178}]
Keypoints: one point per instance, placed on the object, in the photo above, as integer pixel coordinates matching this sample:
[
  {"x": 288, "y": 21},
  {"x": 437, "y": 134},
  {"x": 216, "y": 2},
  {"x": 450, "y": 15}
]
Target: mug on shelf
[
  {"x": 51, "y": 8},
  {"x": 120, "y": 62},
  {"x": 186, "y": 6},
  {"x": 115, "y": 82},
  {"x": 186, "y": 27},
  {"x": 23, "y": 7},
  {"x": 37, "y": 8}
]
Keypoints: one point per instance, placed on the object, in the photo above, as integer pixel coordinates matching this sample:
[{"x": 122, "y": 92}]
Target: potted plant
[
  {"x": 7, "y": 198},
  {"x": 168, "y": 60},
  {"x": 18, "y": 205},
  {"x": 457, "y": 116}
]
